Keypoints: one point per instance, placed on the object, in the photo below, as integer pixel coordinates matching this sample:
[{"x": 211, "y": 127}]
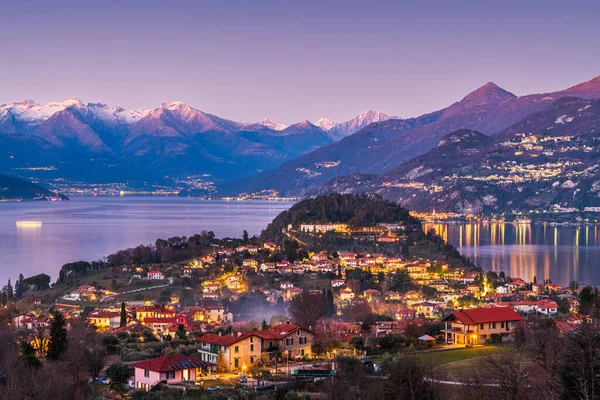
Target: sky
[{"x": 292, "y": 60}]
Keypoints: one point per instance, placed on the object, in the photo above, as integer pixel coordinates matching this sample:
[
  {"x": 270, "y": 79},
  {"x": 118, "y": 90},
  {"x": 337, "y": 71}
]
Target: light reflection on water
[
  {"x": 559, "y": 253},
  {"x": 88, "y": 228}
]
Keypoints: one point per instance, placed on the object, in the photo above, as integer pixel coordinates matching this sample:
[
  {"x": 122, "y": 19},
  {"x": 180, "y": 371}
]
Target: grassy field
[{"x": 440, "y": 358}]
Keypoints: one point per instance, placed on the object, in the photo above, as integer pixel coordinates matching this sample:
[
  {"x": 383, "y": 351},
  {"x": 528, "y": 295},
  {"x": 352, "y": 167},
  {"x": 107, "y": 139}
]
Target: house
[
  {"x": 239, "y": 350},
  {"x": 233, "y": 283},
  {"x": 217, "y": 313},
  {"x": 158, "y": 324},
  {"x": 319, "y": 257},
  {"x": 426, "y": 308},
  {"x": 288, "y": 338},
  {"x": 105, "y": 320},
  {"x": 476, "y": 325},
  {"x": 346, "y": 294},
  {"x": 337, "y": 283},
  {"x": 293, "y": 292},
  {"x": 405, "y": 314},
  {"x": 286, "y": 285},
  {"x": 547, "y": 307},
  {"x": 173, "y": 369},
  {"x": 503, "y": 290},
  {"x": 155, "y": 275}
]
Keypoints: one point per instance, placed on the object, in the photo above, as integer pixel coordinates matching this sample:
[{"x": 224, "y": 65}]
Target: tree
[
  {"x": 306, "y": 309},
  {"x": 587, "y": 299},
  {"x": 407, "y": 381},
  {"x": 20, "y": 287},
  {"x": 114, "y": 285},
  {"x": 181, "y": 334},
  {"x": 123, "y": 315},
  {"x": 118, "y": 372},
  {"x": 28, "y": 355},
  {"x": 573, "y": 286},
  {"x": 245, "y": 236},
  {"x": 58, "y": 336},
  {"x": 221, "y": 362},
  {"x": 4, "y": 298},
  {"x": 264, "y": 326}
]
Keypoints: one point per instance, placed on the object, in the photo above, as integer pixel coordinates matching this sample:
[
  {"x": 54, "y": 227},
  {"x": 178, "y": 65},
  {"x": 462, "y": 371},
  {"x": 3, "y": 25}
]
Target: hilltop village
[{"x": 357, "y": 283}]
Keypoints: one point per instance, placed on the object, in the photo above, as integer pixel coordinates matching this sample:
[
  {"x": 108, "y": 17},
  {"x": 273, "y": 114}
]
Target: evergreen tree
[
  {"x": 245, "y": 236},
  {"x": 9, "y": 290},
  {"x": 4, "y": 298},
  {"x": 264, "y": 326},
  {"x": 534, "y": 280},
  {"x": 330, "y": 304},
  {"x": 180, "y": 333},
  {"x": 20, "y": 287},
  {"x": 123, "y": 315},
  {"x": 58, "y": 336}
]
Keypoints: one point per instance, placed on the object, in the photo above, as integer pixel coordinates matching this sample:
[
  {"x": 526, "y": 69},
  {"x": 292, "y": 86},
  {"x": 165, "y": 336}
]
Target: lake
[
  {"x": 560, "y": 253},
  {"x": 89, "y": 228}
]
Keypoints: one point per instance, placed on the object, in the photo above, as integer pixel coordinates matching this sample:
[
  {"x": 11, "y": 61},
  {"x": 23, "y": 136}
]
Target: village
[{"x": 240, "y": 312}]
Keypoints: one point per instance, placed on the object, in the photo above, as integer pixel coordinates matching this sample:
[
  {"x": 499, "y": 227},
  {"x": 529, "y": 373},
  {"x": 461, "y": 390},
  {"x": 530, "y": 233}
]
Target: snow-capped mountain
[
  {"x": 347, "y": 128},
  {"x": 325, "y": 124},
  {"x": 172, "y": 139},
  {"x": 272, "y": 124}
]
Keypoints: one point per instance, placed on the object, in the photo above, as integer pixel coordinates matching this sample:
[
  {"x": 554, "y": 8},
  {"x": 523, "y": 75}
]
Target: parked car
[
  {"x": 211, "y": 389},
  {"x": 131, "y": 384},
  {"x": 105, "y": 380},
  {"x": 243, "y": 379}
]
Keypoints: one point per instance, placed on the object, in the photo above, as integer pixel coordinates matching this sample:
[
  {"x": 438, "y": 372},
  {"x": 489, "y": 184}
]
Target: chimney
[
  {"x": 239, "y": 334},
  {"x": 288, "y": 321},
  {"x": 220, "y": 333}
]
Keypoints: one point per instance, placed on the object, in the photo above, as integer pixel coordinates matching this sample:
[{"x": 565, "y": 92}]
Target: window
[
  {"x": 302, "y": 340},
  {"x": 236, "y": 362},
  {"x": 494, "y": 325},
  {"x": 236, "y": 349},
  {"x": 289, "y": 342},
  {"x": 251, "y": 347},
  {"x": 252, "y": 359},
  {"x": 480, "y": 326},
  {"x": 146, "y": 373},
  {"x": 501, "y": 325},
  {"x": 251, "y": 339},
  {"x": 298, "y": 332},
  {"x": 302, "y": 352},
  {"x": 170, "y": 374}
]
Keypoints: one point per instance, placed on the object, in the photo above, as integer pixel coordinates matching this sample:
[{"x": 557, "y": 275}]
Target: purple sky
[{"x": 291, "y": 61}]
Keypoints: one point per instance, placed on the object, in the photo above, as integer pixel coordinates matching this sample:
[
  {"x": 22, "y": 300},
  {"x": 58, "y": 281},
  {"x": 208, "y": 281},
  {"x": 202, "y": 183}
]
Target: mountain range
[
  {"x": 383, "y": 146},
  {"x": 548, "y": 162},
  {"x": 100, "y": 143}
]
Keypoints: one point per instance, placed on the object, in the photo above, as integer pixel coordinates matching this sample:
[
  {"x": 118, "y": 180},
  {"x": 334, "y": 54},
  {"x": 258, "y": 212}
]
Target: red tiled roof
[
  {"x": 225, "y": 340},
  {"x": 159, "y": 320},
  {"x": 475, "y": 316},
  {"x": 169, "y": 363},
  {"x": 278, "y": 331}
]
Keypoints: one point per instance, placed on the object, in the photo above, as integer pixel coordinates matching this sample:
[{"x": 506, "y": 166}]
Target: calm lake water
[
  {"x": 89, "y": 228},
  {"x": 560, "y": 253}
]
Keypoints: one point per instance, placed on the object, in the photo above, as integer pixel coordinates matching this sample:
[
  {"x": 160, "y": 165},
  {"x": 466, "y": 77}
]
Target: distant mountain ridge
[
  {"x": 549, "y": 162},
  {"x": 171, "y": 140},
  {"x": 383, "y": 146}
]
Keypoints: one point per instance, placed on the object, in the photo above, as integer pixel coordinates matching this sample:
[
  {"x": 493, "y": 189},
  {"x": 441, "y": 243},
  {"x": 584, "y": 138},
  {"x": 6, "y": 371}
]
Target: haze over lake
[
  {"x": 89, "y": 228},
  {"x": 560, "y": 253}
]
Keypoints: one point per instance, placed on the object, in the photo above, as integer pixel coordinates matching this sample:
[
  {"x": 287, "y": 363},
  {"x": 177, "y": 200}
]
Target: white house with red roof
[
  {"x": 286, "y": 285},
  {"x": 172, "y": 369},
  {"x": 476, "y": 325},
  {"x": 155, "y": 275}
]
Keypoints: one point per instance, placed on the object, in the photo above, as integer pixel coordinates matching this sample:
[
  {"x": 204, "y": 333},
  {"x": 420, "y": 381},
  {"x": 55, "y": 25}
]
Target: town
[{"x": 301, "y": 315}]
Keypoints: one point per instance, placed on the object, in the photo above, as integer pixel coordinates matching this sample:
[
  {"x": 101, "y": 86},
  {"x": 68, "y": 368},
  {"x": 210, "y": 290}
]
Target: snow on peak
[
  {"x": 31, "y": 112},
  {"x": 272, "y": 124},
  {"x": 325, "y": 124}
]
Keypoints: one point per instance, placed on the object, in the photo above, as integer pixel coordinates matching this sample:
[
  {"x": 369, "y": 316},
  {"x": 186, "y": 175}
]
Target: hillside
[
  {"x": 12, "y": 188},
  {"x": 383, "y": 146},
  {"x": 547, "y": 162}
]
